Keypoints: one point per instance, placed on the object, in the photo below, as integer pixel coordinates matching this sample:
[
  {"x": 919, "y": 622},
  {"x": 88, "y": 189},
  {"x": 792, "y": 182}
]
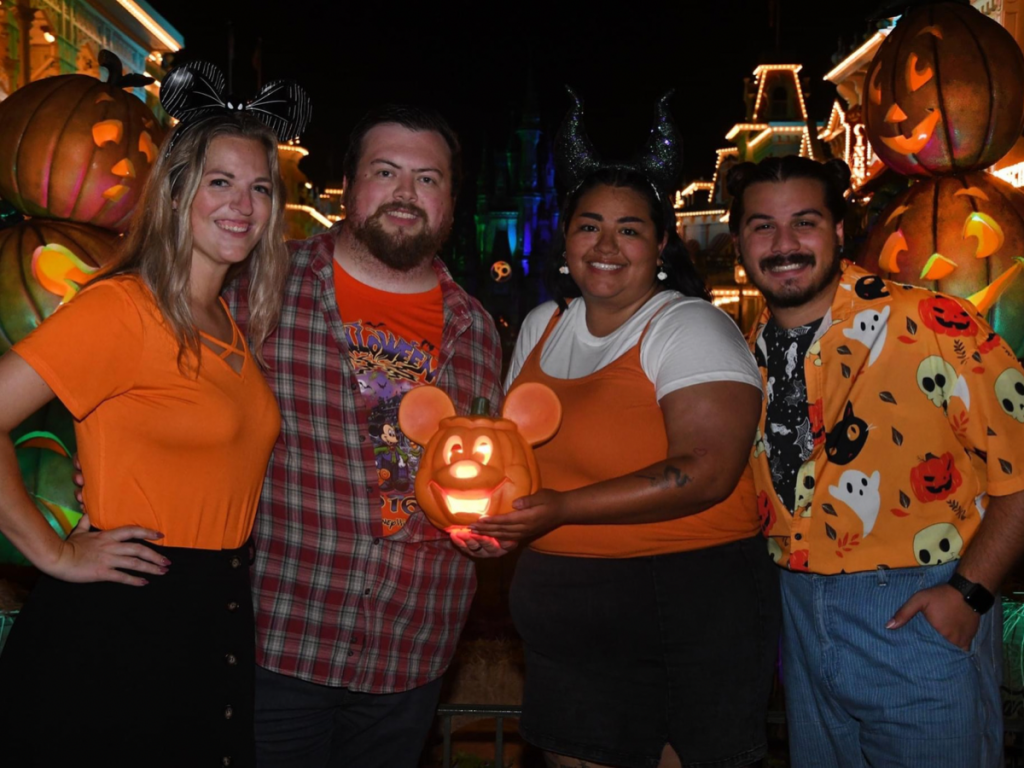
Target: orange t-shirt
[
  {"x": 394, "y": 340},
  {"x": 612, "y": 426},
  {"x": 181, "y": 454}
]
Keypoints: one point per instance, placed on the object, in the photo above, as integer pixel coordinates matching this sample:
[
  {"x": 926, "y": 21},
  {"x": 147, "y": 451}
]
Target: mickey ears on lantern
[
  {"x": 194, "y": 93},
  {"x": 661, "y": 159}
]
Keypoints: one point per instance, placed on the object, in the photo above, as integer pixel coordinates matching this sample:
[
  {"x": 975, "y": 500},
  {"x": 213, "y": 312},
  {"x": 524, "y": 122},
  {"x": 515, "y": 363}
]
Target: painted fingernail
[
  {"x": 166, "y": 561},
  {"x": 145, "y": 582},
  {"x": 891, "y": 624}
]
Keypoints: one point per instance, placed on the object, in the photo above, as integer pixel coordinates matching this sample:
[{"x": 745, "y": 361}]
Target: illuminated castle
[{"x": 515, "y": 220}]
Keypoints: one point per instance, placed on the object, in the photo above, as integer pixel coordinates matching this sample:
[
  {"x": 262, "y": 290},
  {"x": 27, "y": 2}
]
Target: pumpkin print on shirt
[{"x": 917, "y": 412}]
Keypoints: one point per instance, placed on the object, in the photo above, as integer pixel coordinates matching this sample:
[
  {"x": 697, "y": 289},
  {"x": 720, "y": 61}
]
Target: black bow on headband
[
  {"x": 194, "y": 93},
  {"x": 661, "y": 160}
]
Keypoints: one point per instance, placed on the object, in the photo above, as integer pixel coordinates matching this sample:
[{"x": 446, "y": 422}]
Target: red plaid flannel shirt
[{"x": 337, "y": 602}]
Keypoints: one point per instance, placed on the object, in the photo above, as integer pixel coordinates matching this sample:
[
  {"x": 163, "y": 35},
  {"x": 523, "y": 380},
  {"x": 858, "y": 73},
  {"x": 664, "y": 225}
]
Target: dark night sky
[{"x": 470, "y": 60}]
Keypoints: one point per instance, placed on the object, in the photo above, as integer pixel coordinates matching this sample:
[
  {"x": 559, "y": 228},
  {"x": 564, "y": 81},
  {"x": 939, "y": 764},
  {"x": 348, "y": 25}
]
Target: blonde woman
[{"x": 140, "y": 629}]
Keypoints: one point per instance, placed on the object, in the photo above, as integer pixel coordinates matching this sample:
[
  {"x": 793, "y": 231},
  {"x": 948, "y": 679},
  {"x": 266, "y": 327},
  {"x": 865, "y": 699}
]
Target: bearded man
[{"x": 359, "y": 600}]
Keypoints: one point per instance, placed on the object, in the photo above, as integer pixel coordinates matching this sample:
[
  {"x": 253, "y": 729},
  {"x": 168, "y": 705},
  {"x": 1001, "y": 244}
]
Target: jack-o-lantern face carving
[
  {"x": 943, "y": 92},
  {"x": 42, "y": 264},
  {"x": 72, "y": 147},
  {"x": 963, "y": 236},
  {"x": 944, "y": 316},
  {"x": 936, "y": 478},
  {"x": 476, "y": 465}
]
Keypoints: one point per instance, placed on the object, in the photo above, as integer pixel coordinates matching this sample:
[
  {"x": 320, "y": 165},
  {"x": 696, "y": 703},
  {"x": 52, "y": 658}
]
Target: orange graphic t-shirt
[
  {"x": 393, "y": 340},
  {"x": 916, "y": 409}
]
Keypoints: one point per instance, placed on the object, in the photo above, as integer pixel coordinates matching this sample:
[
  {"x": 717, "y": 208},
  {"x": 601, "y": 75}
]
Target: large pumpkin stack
[
  {"x": 74, "y": 155},
  {"x": 944, "y": 101}
]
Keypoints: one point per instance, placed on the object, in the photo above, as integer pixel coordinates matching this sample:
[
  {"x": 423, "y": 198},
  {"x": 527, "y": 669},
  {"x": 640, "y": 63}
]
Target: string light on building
[
  {"x": 1011, "y": 174},
  {"x": 690, "y": 214},
  {"x": 740, "y": 127},
  {"x": 150, "y": 24},
  {"x": 319, "y": 217},
  {"x": 293, "y": 148},
  {"x": 864, "y": 52}
]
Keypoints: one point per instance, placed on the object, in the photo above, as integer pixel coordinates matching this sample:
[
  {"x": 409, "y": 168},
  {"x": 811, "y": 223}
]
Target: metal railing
[{"x": 447, "y": 711}]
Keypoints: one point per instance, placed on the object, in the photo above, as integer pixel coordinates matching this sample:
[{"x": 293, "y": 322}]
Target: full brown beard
[{"x": 399, "y": 251}]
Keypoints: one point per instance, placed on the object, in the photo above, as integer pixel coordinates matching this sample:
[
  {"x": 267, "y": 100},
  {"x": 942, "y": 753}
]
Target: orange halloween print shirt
[{"x": 917, "y": 414}]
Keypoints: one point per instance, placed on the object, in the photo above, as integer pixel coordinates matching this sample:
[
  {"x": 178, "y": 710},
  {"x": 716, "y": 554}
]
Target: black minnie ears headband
[
  {"x": 661, "y": 160},
  {"x": 194, "y": 93}
]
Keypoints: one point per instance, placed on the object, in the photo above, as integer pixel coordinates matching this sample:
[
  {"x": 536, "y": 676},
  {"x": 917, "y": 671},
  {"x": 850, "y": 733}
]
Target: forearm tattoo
[{"x": 671, "y": 477}]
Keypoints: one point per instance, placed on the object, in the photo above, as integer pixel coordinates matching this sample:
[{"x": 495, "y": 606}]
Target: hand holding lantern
[{"x": 475, "y": 466}]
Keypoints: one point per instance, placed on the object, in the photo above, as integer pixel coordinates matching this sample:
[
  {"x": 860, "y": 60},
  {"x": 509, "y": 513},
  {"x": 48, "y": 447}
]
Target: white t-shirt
[{"x": 689, "y": 342}]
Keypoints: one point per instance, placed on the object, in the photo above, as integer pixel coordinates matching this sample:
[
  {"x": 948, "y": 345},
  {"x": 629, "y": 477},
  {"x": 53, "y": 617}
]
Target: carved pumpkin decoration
[
  {"x": 72, "y": 147},
  {"x": 46, "y": 469},
  {"x": 936, "y": 478},
  {"x": 476, "y": 465},
  {"x": 944, "y": 92},
  {"x": 961, "y": 235},
  {"x": 42, "y": 263}
]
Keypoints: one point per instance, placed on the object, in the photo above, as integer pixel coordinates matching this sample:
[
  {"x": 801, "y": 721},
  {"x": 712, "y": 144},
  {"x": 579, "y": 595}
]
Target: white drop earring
[
  {"x": 662, "y": 274},
  {"x": 564, "y": 269}
]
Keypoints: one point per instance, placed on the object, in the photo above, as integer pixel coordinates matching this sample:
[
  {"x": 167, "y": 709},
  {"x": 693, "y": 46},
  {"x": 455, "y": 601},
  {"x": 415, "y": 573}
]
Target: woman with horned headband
[
  {"x": 140, "y": 630},
  {"x": 648, "y": 605}
]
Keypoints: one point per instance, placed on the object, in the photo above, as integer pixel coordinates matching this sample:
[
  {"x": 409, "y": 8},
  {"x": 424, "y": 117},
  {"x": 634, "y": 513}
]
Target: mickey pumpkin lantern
[
  {"x": 944, "y": 92},
  {"x": 961, "y": 235},
  {"x": 476, "y": 465},
  {"x": 72, "y": 147}
]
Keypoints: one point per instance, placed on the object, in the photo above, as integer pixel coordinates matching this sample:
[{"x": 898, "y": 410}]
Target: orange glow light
[
  {"x": 107, "y": 131},
  {"x": 894, "y": 246},
  {"x": 987, "y": 231}
]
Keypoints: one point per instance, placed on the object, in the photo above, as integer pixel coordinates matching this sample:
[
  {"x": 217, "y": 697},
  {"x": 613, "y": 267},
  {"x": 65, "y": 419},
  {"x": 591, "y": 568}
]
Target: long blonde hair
[{"x": 158, "y": 246}]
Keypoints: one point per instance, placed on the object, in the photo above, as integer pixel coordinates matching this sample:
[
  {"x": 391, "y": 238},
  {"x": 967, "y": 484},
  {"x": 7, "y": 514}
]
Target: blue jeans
[{"x": 858, "y": 694}]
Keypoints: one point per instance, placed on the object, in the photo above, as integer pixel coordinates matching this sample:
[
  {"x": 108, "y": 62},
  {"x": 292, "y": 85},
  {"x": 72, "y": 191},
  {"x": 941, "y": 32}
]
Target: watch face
[{"x": 979, "y": 598}]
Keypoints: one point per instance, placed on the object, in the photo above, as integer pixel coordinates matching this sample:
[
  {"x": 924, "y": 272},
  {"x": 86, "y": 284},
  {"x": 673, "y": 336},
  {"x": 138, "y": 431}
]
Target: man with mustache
[
  {"x": 359, "y": 600},
  {"x": 896, "y": 525}
]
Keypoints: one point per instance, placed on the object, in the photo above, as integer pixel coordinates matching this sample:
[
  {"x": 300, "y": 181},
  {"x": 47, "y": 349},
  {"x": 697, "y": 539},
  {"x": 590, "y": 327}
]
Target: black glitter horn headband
[
  {"x": 661, "y": 160},
  {"x": 194, "y": 93}
]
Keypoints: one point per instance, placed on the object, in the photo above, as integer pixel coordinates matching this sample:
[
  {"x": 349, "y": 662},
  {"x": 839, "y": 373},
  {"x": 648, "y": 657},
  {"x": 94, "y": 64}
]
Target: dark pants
[{"x": 305, "y": 725}]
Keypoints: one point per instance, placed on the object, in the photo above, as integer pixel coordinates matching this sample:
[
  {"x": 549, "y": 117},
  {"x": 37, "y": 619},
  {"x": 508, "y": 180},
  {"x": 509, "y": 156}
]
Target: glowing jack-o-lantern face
[
  {"x": 960, "y": 235},
  {"x": 42, "y": 264},
  {"x": 943, "y": 92},
  {"x": 476, "y": 465},
  {"x": 74, "y": 148}
]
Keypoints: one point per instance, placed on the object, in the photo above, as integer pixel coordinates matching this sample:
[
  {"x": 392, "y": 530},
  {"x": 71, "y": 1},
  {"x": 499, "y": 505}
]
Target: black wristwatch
[{"x": 975, "y": 595}]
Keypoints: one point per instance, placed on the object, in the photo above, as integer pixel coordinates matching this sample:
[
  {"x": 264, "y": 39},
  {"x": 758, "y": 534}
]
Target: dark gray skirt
[
  {"x": 114, "y": 675},
  {"x": 624, "y": 656}
]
